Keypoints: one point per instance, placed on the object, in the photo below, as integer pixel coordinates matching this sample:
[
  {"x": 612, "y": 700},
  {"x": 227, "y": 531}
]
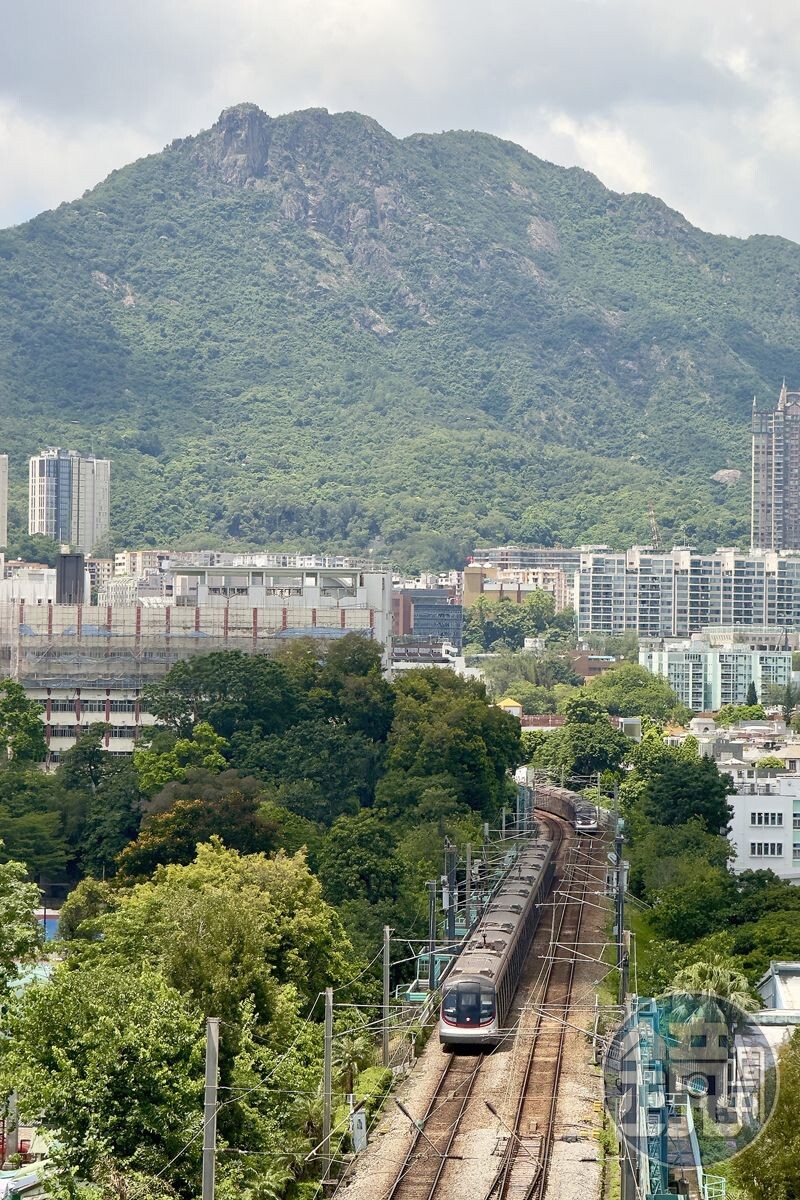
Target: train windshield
[{"x": 469, "y": 1004}]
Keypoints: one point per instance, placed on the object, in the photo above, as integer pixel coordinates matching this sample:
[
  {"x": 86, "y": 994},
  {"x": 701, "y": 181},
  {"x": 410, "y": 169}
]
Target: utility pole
[
  {"x": 210, "y": 1107},
  {"x": 431, "y": 934},
  {"x": 387, "y": 934},
  {"x": 450, "y": 859},
  {"x": 327, "y": 1085},
  {"x": 503, "y": 822},
  {"x": 468, "y": 888},
  {"x": 620, "y": 910}
]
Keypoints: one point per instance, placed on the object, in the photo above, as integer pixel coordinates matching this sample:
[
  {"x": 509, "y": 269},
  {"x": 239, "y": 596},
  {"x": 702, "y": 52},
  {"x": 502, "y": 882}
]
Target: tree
[
  {"x": 112, "y": 1063},
  {"x": 678, "y": 789},
  {"x": 21, "y": 730},
  {"x": 771, "y": 762},
  {"x": 629, "y": 690},
  {"x": 786, "y": 698},
  {"x": 157, "y": 767},
  {"x": 775, "y": 935},
  {"x": 729, "y": 714},
  {"x": 489, "y": 622},
  {"x": 752, "y": 695},
  {"x": 769, "y": 1168},
  {"x": 20, "y": 931},
  {"x": 229, "y": 690},
  {"x": 587, "y": 744},
  {"x": 173, "y": 836},
  {"x": 694, "y": 902},
  {"x": 113, "y": 799},
  {"x": 336, "y": 766},
  {"x": 358, "y": 859},
  {"x": 720, "y": 978}
]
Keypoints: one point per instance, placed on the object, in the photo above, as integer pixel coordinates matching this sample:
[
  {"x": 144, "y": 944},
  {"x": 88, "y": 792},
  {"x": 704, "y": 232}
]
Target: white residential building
[
  {"x": 707, "y": 672},
  {"x": 69, "y": 497},
  {"x": 765, "y": 829},
  {"x": 679, "y": 592}
]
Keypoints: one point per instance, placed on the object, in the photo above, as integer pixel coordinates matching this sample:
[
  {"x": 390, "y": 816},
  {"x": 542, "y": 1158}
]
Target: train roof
[{"x": 485, "y": 953}]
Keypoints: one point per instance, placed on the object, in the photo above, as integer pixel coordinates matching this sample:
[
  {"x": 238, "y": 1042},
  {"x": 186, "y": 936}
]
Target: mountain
[{"x": 304, "y": 332}]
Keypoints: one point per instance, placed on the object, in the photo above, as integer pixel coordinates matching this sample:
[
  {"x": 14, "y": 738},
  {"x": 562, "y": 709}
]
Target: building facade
[
  {"x": 679, "y": 592},
  {"x": 775, "y": 502},
  {"x": 515, "y": 583},
  {"x": 69, "y": 497},
  {"x": 88, "y": 663},
  {"x": 3, "y": 501},
  {"x": 708, "y": 676},
  {"x": 765, "y": 828}
]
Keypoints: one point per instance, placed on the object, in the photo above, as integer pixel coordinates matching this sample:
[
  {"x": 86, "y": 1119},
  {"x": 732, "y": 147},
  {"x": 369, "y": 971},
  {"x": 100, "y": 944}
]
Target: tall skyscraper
[
  {"x": 3, "y": 500},
  {"x": 69, "y": 497},
  {"x": 775, "y": 512}
]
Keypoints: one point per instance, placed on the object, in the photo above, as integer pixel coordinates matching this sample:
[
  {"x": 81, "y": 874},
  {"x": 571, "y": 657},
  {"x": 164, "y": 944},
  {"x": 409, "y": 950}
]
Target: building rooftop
[{"x": 782, "y": 982}]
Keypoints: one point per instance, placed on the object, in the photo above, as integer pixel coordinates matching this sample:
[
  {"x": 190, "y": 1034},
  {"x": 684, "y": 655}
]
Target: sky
[{"x": 696, "y": 101}]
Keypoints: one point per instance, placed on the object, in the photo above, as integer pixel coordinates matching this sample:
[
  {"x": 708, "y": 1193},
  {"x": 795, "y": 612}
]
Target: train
[
  {"x": 559, "y": 801},
  {"x": 570, "y": 806},
  {"x": 478, "y": 991},
  {"x": 587, "y": 818}
]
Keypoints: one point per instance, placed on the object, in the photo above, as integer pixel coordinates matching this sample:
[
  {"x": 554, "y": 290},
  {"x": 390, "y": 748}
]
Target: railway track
[
  {"x": 420, "y": 1175},
  {"x": 429, "y": 1152},
  {"x": 524, "y": 1168}
]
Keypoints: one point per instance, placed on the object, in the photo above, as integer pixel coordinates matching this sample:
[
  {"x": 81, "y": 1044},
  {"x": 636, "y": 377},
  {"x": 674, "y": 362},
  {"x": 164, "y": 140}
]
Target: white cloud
[
  {"x": 45, "y": 163},
  {"x": 696, "y": 102}
]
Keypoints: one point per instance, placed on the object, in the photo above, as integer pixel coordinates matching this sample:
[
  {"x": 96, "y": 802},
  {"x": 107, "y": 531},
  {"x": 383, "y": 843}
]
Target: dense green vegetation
[
  {"x": 305, "y": 331},
  {"x": 247, "y": 857},
  {"x": 244, "y": 860}
]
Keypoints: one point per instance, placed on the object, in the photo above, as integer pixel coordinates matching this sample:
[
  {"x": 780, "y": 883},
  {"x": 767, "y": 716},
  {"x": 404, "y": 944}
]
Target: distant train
[
  {"x": 587, "y": 818},
  {"x": 478, "y": 991},
  {"x": 570, "y": 806},
  {"x": 556, "y": 800}
]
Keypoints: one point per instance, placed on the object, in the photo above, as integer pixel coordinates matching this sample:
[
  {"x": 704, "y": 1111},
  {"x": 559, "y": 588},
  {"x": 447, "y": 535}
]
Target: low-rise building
[
  {"x": 516, "y": 583},
  {"x": 765, "y": 827}
]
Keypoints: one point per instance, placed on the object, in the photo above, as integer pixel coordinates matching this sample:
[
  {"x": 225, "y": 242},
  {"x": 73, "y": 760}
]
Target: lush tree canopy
[{"x": 629, "y": 690}]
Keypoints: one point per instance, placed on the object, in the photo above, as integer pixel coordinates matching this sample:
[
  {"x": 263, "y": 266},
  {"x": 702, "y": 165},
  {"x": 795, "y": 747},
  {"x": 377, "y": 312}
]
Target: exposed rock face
[
  {"x": 728, "y": 476},
  {"x": 237, "y": 148}
]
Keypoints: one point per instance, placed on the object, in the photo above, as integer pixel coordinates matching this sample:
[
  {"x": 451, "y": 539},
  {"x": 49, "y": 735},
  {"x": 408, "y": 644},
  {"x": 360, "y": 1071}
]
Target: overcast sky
[{"x": 697, "y": 101}]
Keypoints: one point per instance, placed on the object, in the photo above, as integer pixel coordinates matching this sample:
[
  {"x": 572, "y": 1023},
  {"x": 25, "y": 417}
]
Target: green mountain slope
[{"x": 302, "y": 331}]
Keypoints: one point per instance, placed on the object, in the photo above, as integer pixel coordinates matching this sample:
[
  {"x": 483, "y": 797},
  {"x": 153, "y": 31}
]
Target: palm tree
[
  {"x": 353, "y": 1051},
  {"x": 709, "y": 989}
]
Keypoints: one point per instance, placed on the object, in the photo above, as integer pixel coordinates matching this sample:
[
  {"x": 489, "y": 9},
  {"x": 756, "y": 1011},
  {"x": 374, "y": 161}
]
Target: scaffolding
[{"x": 58, "y": 646}]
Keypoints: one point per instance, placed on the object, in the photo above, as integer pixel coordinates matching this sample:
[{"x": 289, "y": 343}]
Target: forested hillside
[{"x": 302, "y": 331}]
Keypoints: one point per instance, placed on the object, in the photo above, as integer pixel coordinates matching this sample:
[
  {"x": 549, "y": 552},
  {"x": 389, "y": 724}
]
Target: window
[
  {"x": 723, "y": 1041},
  {"x": 697, "y": 1041}
]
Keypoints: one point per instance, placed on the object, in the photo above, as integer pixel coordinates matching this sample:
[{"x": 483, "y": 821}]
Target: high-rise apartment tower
[
  {"x": 3, "y": 500},
  {"x": 775, "y": 512},
  {"x": 69, "y": 497}
]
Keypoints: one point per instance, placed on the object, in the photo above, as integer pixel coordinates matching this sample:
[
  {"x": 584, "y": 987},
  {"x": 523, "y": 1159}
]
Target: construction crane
[{"x": 655, "y": 532}]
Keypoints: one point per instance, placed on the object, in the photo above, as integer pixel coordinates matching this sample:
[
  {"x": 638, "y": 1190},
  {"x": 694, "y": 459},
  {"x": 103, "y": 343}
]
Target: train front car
[
  {"x": 477, "y": 993},
  {"x": 586, "y": 818},
  {"x": 469, "y": 1013}
]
